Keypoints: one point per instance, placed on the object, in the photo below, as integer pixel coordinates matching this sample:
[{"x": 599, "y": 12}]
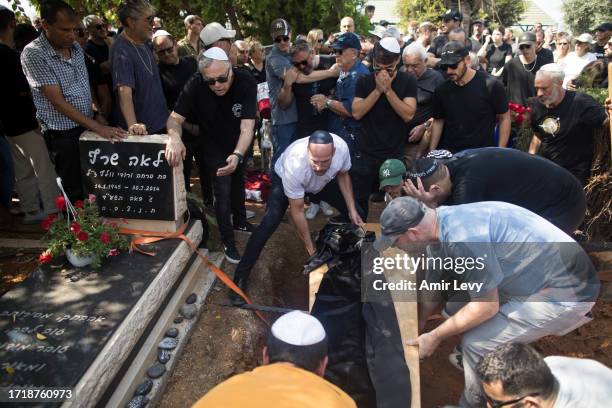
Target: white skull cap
[{"x": 298, "y": 328}]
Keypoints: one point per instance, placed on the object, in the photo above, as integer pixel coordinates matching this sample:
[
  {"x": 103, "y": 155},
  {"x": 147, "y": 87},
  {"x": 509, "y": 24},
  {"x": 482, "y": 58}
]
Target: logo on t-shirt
[
  {"x": 237, "y": 109},
  {"x": 550, "y": 125}
]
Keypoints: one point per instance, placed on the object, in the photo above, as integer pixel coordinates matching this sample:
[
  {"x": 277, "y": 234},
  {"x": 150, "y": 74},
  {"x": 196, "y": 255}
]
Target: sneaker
[
  {"x": 250, "y": 214},
  {"x": 246, "y": 228},
  {"x": 35, "y": 218},
  {"x": 311, "y": 212},
  {"x": 327, "y": 209},
  {"x": 456, "y": 358},
  {"x": 231, "y": 254}
]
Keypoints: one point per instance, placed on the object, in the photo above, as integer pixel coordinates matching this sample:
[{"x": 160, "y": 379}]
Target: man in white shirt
[
  {"x": 575, "y": 61},
  {"x": 308, "y": 165},
  {"x": 515, "y": 373}
]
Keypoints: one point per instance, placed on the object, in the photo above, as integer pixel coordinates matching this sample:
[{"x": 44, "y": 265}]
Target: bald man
[{"x": 347, "y": 25}]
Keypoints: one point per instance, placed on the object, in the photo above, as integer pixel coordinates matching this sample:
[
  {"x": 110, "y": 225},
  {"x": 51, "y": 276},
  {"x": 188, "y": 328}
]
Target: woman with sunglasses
[
  {"x": 563, "y": 43},
  {"x": 315, "y": 40},
  {"x": 578, "y": 59}
]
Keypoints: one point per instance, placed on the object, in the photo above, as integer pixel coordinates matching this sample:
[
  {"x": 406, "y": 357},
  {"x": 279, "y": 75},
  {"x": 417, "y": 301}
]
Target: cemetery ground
[{"x": 228, "y": 340}]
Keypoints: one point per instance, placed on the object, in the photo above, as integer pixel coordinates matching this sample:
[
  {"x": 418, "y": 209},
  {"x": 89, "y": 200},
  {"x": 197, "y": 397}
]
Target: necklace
[
  {"x": 149, "y": 67},
  {"x": 535, "y": 61}
]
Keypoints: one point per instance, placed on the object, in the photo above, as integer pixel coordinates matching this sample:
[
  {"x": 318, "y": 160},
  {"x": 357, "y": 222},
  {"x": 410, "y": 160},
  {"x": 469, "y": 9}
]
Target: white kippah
[
  {"x": 216, "y": 53},
  {"x": 298, "y": 328},
  {"x": 390, "y": 44},
  {"x": 159, "y": 33}
]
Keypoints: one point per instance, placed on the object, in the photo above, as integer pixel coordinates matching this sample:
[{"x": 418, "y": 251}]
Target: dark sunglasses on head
[
  {"x": 165, "y": 50},
  {"x": 284, "y": 38},
  {"x": 300, "y": 63},
  {"x": 499, "y": 404},
  {"x": 221, "y": 80}
]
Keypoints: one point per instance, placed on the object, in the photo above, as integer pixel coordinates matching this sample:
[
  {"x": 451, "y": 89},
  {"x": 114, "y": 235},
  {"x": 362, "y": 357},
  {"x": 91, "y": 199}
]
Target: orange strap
[{"x": 140, "y": 237}]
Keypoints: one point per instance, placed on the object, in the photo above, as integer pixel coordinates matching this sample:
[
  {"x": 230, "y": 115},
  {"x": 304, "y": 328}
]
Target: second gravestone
[{"x": 132, "y": 180}]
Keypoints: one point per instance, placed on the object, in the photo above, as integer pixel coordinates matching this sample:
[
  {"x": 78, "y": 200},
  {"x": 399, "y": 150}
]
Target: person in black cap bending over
[
  {"x": 467, "y": 106},
  {"x": 385, "y": 101},
  {"x": 318, "y": 164},
  {"x": 494, "y": 174}
]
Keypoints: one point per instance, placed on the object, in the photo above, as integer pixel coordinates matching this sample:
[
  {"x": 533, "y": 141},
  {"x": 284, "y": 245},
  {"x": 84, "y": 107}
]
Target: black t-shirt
[
  {"x": 513, "y": 176},
  {"x": 174, "y": 78},
  {"x": 437, "y": 44},
  {"x": 567, "y": 131},
  {"x": 309, "y": 119},
  {"x": 426, "y": 86},
  {"x": 518, "y": 79},
  {"x": 95, "y": 74},
  {"x": 98, "y": 52},
  {"x": 17, "y": 112},
  {"x": 599, "y": 51},
  {"x": 383, "y": 131},
  {"x": 469, "y": 112},
  {"x": 219, "y": 117},
  {"x": 497, "y": 55},
  {"x": 546, "y": 56},
  {"x": 260, "y": 76}
]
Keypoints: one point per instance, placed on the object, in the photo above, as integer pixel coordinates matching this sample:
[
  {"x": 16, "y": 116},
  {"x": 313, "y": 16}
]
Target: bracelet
[{"x": 328, "y": 103}]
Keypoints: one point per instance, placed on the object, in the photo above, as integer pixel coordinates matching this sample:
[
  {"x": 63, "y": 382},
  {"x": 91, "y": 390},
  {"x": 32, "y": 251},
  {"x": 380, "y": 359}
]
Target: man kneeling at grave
[
  {"x": 515, "y": 373},
  {"x": 294, "y": 358},
  {"x": 224, "y": 102},
  {"x": 508, "y": 275},
  {"x": 317, "y": 164},
  {"x": 496, "y": 174}
]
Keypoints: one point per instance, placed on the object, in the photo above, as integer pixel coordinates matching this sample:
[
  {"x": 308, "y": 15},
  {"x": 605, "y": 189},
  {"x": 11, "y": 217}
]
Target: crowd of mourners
[{"x": 422, "y": 120}]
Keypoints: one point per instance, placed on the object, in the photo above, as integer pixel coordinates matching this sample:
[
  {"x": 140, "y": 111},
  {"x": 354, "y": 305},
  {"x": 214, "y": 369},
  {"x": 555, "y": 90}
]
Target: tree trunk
[{"x": 233, "y": 17}]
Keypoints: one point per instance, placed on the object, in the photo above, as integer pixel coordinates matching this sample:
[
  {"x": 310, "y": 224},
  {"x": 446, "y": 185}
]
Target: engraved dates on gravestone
[{"x": 130, "y": 179}]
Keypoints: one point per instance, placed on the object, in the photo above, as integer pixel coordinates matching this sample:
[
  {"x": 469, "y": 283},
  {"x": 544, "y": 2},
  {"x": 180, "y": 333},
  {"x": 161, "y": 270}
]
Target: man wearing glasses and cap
[
  {"x": 450, "y": 20},
  {"x": 527, "y": 278},
  {"x": 281, "y": 73},
  {"x": 468, "y": 105},
  {"x": 224, "y": 102}
]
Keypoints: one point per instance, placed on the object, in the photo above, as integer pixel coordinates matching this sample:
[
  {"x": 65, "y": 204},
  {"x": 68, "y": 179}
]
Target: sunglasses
[
  {"x": 165, "y": 50},
  {"x": 300, "y": 63},
  {"x": 320, "y": 40},
  {"x": 99, "y": 27},
  {"x": 499, "y": 404},
  {"x": 221, "y": 79},
  {"x": 563, "y": 43},
  {"x": 281, "y": 38},
  {"x": 524, "y": 47},
  {"x": 80, "y": 32},
  {"x": 451, "y": 66}
]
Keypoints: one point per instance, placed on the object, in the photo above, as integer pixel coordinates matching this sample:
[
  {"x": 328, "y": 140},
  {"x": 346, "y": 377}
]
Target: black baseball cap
[
  {"x": 279, "y": 27},
  {"x": 452, "y": 53},
  {"x": 347, "y": 40},
  {"x": 527, "y": 38},
  {"x": 604, "y": 27},
  {"x": 452, "y": 15}
]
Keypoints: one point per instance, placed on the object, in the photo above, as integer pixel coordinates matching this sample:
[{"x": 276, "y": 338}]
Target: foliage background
[{"x": 583, "y": 16}]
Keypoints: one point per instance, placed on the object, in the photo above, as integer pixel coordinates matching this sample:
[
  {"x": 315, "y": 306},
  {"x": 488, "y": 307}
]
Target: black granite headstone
[
  {"x": 130, "y": 180},
  {"x": 53, "y": 327}
]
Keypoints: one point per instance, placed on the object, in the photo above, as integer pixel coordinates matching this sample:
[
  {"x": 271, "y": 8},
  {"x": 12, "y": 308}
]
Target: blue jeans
[
  {"x": 282, "y": 137},
  {"x": 7, "y": 181}
]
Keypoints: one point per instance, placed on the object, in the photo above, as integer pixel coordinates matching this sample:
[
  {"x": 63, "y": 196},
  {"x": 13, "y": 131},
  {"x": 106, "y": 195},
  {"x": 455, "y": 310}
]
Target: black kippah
[
  {"x": 320, "y": 137},
  {"x": 422, "y": 168}
]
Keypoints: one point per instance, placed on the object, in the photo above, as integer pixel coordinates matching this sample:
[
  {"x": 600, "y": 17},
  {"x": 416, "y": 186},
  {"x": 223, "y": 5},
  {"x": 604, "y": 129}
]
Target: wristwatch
[
  {"x": 328, "y": 103},
  {"x": 239, "y": 156}
]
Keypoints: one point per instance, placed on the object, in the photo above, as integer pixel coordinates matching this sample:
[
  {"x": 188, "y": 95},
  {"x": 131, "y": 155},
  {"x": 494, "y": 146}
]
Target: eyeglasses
[
  {"x": 389, "y": 70},
  {"x": 221, "y": 79},
  {"x": 499, "y": 404},
  {"x": 281, "y": 38},
  {"x": 165, "y": 50},
  {"x": 300, "y": 63}
]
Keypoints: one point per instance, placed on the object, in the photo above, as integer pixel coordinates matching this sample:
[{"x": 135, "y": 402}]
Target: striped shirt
[{"x": 43, "y": 66}]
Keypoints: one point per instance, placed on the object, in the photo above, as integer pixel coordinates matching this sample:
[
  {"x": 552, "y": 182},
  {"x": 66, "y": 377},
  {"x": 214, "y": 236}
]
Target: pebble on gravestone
[
  {"x": 178, "y": 319},
  {"x": 156, "y": 370},
  {"x": 168, "y": 343},
  {"x": 171, "y": 332},
  {"x": 191, "y": 298},
  {"x": 163, "y": 356},
  {"x": 188, "y": 311},
  {"x": 144, "y": 388},
  {"x": 139, "y": 401}
]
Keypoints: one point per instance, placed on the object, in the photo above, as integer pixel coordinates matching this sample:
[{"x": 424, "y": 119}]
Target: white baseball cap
[
  {"x": 585, "y": 38},
  {"x": 298, "y": 328},
  {"x": 214, "y": 32}
]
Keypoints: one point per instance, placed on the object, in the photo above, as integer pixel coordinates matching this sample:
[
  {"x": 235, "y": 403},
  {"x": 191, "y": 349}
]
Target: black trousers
[
  {"x": 364, "y": 176},
  {"x": 193, "y": 147},
  {"x": 63, "y": 146},
  {"x": 229, "y": 201},
  {"x": 275, "y": 210}
]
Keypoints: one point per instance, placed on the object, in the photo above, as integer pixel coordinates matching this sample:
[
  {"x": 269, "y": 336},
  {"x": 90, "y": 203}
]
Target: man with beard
[
  {"x": 468, "y": 105},
  {"x": 564, "y": 123}
]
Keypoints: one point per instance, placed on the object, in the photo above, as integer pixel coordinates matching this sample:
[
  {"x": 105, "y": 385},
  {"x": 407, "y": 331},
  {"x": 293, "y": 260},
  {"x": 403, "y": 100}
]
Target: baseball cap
[
  {"x": 379, "y": 31},
  {"x": 214, "y": 32},
  {"x": 391, "y": 173},
  {"x": 528, "y": 37},
  {"x": 452, "y": 53},
  {"x": 585, "y": 38},
  {"x": 400, "y": 215},
  {"x": 422, "y": 168},
  {"x": 452, "y": 15},
  {"x": 279, "y": 27},
  {"x": 347, "y": 40},
  {"x": 604, "y": 27},
  {"x": 298, "y": 329}
]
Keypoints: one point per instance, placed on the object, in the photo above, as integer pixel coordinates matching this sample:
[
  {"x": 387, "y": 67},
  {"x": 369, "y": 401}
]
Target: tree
[{"x": 583, "y": 16}]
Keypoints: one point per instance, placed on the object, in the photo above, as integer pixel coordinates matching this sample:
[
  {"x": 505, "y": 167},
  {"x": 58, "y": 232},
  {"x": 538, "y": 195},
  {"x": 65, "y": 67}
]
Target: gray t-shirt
[
  {"x": 582, "y": 382},
  {"x": 276, "y": 64},
  {"x": 135, "y": 66},
  {"x": 524, "y": 255}
]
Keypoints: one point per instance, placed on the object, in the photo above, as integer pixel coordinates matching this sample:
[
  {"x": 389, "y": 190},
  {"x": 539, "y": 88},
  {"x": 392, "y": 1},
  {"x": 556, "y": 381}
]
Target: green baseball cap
[{"x": 391, "y": 173}]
